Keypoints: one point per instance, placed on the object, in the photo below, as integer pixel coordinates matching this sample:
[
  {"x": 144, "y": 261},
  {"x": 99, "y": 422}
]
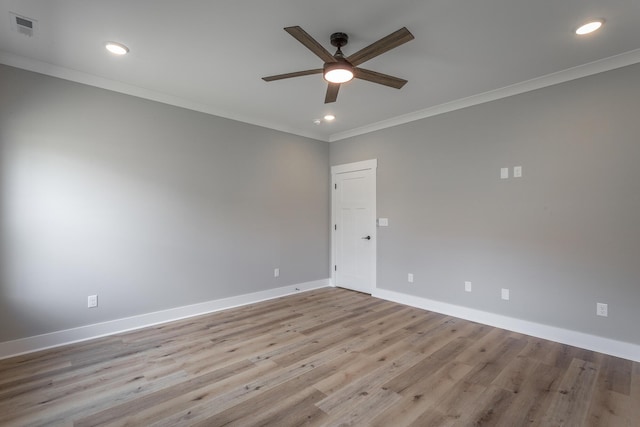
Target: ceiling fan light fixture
[
  {"x": 589, "y": 27},
  {"x": 338, "y": 72}
]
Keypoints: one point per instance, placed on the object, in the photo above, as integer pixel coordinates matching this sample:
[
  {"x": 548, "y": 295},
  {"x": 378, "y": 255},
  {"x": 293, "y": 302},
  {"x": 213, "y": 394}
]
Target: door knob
[{"x": 367, "y": 238}]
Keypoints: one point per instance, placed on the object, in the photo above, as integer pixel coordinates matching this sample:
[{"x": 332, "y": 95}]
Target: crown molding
[
  {"x": 41, "y": 67},
  {"x": 600, "y": 66}
]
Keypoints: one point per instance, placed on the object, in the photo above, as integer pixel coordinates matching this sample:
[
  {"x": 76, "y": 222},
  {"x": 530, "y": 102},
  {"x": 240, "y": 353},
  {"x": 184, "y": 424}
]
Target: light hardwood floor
[{"x": 326, "y": 357}]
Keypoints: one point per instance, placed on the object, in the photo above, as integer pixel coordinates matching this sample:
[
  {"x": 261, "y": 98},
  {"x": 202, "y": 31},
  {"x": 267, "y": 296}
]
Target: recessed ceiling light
[
  {"x": 116, "y": 48},
  {"x": 329, "y": 117},
  {"x": 590, "y": 27}
]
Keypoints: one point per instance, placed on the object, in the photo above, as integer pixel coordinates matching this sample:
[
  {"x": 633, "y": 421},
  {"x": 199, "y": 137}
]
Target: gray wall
[
  {"x": 564, "y": 236},
  {"x": 147, "y": 205},
  {"x": 173, "y": 207}
]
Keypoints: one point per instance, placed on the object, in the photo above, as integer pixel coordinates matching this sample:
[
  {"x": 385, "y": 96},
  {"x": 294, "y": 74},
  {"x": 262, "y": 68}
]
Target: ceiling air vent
[{"x": 22, "y": 24}]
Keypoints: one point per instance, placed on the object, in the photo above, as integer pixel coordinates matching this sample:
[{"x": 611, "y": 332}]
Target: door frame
[{"x": 371, "y": 164}]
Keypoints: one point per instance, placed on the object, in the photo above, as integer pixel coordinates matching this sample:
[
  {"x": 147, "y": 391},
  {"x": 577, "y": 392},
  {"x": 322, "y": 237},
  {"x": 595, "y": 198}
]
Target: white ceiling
[{"x": 210, "y": 55}]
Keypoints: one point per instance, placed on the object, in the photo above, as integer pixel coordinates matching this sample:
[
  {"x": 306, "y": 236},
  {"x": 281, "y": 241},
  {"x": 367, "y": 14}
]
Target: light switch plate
[
  {"x": 383, "y": 222},
  {"x": 504, "y": 173},
  {"x": 517, "y": 171},
  {"x": 505, "y": 294},
  {"x": 467, "y": 286}
]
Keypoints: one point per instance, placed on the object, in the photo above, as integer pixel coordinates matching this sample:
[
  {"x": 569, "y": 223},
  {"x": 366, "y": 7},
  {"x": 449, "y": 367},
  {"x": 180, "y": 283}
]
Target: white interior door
[{"x": 354, "y": 225}]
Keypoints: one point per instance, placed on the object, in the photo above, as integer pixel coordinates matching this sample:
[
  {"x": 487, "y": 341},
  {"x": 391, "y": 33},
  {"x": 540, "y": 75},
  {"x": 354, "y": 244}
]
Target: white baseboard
[
  {"x": 565, "y": 336},
  {"x": 84, "y": 333}
]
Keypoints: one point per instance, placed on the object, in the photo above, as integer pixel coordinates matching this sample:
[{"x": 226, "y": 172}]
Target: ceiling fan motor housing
[{"x": 339, "y": 39}]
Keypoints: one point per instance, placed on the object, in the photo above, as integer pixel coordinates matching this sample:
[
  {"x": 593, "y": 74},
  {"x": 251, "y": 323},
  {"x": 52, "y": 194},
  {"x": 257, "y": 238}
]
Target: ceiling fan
[{"x": 337, "y": 69}]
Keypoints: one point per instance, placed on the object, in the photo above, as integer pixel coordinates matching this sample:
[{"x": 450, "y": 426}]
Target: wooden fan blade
[
  {"x": 295, "y": 74},
  {"x": 332, "y": 93},
  {"x": 375, "y": 77},
  {"x": 311, "y": 44},
  {"x": 381, "y": 46}
]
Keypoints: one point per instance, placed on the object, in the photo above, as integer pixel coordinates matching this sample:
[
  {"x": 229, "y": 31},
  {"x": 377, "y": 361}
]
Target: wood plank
[
  {"x": 297, "y": 409},
  {"x": 288, "y": 396},
  {"x": 487, "y": 409},
  {"x": 612, "y": 403},
  {"x": 458, "y": 400},
  {"x": 427, "y": 366},
  {"x": 157, "y": 398},
  {"x": 216, "y": 400},
  {"x": 368, "y": 406},
  {"x": 491, "y": 363},
  {"x": 575, "y": 392},
  {"x": 534, "y": 394},
  {"x": 359, "y": 389},
  {"x": 420, "y": 396},
  {"x": 355, "y": 367}
]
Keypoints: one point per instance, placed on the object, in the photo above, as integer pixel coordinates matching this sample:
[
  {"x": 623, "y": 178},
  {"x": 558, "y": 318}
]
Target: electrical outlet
[
  {"x": 602, "y": 309},
  {"x": 92, "y": 301},
  {"x": 504, "y": 173},
  {"x": 410, "y": 277},
  {"x": 467, "y": 286},
  {"x": 276, "y": 272},
  {"x": 505, "y": 294},
  {"x": 517, "y": 171}
]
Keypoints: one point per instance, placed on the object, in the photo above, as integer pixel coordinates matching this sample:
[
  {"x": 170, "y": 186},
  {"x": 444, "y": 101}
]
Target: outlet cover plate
[
  {"x": 602, "y": 309},
  {"x": 505, "y": 294}
]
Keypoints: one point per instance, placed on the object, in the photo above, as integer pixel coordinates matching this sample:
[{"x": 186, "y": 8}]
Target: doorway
[{"x": 354, "y": 236}]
